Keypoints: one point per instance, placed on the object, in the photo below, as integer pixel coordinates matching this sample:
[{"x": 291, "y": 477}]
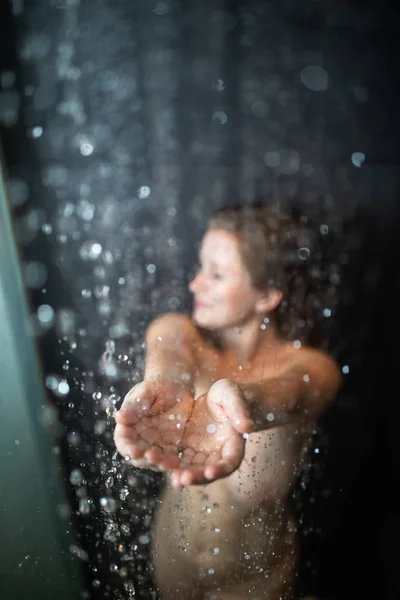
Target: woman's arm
[
  {"x": 305, "y": 389},
  {"x": 170, "y": 342}
]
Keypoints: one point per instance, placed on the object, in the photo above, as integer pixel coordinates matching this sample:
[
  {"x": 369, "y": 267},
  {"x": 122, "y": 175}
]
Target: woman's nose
[{"x": 197, "y": 283}]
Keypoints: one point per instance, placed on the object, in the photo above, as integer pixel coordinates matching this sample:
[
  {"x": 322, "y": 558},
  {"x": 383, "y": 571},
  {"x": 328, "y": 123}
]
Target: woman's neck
[{"x": 248, "y": 339}]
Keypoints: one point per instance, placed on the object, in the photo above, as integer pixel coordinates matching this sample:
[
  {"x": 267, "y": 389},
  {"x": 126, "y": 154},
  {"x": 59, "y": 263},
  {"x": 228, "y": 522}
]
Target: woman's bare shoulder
[{"x": 172, "y": 325}]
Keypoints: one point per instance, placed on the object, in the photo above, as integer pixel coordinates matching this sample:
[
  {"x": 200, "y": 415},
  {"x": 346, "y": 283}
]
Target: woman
[{"x": 226, "y": 407}]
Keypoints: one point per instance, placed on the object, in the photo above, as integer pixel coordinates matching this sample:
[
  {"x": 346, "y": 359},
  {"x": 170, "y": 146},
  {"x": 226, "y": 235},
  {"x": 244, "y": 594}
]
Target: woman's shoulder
[{"x": 177, "y": 324}]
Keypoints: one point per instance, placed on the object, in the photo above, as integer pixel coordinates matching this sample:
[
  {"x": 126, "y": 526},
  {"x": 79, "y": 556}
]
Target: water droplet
[
  {"x": 211, "y": 428},
  {"x": 19, "y": 191},
  {"x": 143, "y": 192},
  {"x": 324, "y": 229},
  {"x": 272, "y": 159},
  {"x": 45, "y": 314},
  {"x": 297, "y": 344},
  {"x": 221, "y": 116},
  {"x": 63, "y": 388},
  {"x": 109, "y": 505},
  {"x": 76, "y": 477},
  {"x": 345, "y": 369},
  {"x": 111, "y": 410},
  {"x": 270, "y": 417},
  {"x": 315, "y": 78},
  {"x": 219, "y": 85},
  {"x": 357, "y": 158},
  {"x": 86, "y": 149},
  {"x": 144, "y": 539},
  {"x": 90, "y": 250},
  {"x": 36, "y": 132},
  {"x": 260, "y": 109},
  {"x": 162, "y": 8},
  {"x": 304, "y": 253},
  {"x": 109, "y": 482},
  {"x": 35, "y": 274},
  {"x": 327, "y": 312},
  {"x": 73, "y": 438},
  {"x": 215, "y": 550},
  {"x": 124, "y": 493}
]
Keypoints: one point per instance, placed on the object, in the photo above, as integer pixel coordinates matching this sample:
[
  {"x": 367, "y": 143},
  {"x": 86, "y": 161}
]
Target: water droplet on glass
[
  {"x": 211, "y": 428},
  {"x": 327, "y": 312},
  {"x": 270, "y": 417},
  {"x": 345, "y": 369}
]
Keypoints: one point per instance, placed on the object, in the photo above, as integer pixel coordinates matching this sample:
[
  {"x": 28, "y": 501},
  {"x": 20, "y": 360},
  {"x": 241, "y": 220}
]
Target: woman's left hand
[{"x": 213, "y": 444}]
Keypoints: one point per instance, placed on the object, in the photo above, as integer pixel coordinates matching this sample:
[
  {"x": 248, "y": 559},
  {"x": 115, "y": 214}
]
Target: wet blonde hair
[{"x": 279, "y": 252}]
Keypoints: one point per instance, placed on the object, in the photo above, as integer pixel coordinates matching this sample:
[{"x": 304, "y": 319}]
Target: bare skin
[{"x": 227, "y": 414}]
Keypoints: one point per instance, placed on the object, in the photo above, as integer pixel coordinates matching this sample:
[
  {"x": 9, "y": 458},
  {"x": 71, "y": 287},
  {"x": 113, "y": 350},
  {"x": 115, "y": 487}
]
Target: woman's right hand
[{"x": 151, "y": 423}]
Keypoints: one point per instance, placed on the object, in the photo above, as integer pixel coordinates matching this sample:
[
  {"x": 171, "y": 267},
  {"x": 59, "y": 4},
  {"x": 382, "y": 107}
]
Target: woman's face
[{"x": 224, "y": 296}]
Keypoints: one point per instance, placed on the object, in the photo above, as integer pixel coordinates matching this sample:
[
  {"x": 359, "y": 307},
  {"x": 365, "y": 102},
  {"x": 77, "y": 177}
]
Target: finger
[
  {"x": 125, "y": 439},
  {"x": 218, "y": 470},
  {"x": 139, "y": 463},
  {"x": 137, "y": 403},
  {"x": 129, "y": 448},
  {"x": 190, "y": 476},
  {"x": 237, "y": 411},
  {"x": 163, "y": 460}
]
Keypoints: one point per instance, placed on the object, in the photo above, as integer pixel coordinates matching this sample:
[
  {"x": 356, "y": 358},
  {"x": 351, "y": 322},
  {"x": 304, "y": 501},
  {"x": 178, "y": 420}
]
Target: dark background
[{"x": 192, "y": 100}]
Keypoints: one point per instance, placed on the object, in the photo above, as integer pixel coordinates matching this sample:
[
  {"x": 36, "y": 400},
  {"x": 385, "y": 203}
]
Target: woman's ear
[{"x": 269, "y": 300}]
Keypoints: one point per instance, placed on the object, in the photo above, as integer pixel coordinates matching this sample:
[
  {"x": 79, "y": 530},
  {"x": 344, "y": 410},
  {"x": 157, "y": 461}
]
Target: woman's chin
[{"x": 201, "y": 320}]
